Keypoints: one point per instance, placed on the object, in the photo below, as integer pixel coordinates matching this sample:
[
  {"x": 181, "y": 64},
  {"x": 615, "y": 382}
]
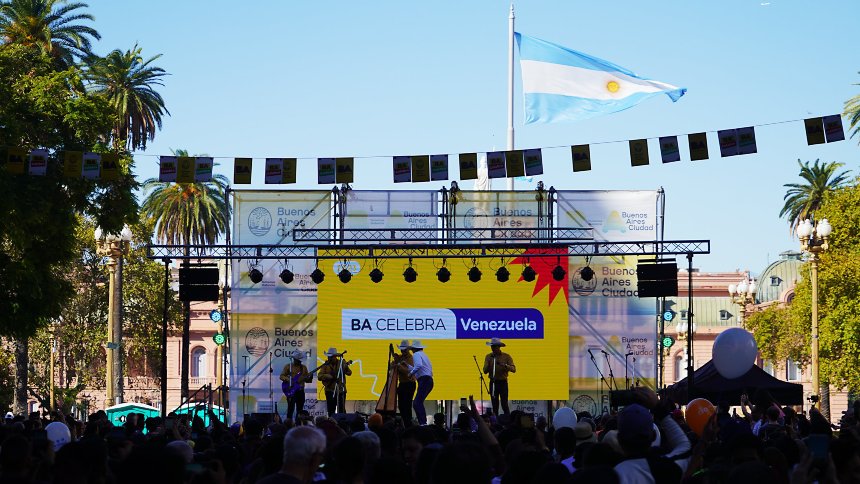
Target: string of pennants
[{"x": 406, "y": 169}]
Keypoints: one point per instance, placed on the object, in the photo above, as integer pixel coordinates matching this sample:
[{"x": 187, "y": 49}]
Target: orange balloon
[{"x": 697, "y": 414}]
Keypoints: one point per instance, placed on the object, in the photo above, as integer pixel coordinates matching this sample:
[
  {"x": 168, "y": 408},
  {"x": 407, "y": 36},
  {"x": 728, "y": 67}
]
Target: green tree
[
  {"x": 783, "y": 333},
  {"x": 803, "y": 199},
  {"x": 852, "y": 111},
  {"x": 129, "y": 82},
  {"x": 50, "y": 25},
  {"x": 80, "y": 364},
  {"x": 187, "y": 214},
  {"x": 839, "y": 290},
  {"x": 44, "y": 108}
]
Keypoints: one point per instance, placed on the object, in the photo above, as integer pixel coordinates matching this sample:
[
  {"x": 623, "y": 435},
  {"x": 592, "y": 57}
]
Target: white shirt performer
[{"x": 422, "y": 369}]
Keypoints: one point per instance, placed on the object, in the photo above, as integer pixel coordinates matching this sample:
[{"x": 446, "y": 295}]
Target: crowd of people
[{"x": 646, "y": 441}]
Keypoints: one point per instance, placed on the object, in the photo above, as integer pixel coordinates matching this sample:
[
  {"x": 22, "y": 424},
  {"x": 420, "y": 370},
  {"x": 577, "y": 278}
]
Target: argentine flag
[{"x": 560, "y": 84}]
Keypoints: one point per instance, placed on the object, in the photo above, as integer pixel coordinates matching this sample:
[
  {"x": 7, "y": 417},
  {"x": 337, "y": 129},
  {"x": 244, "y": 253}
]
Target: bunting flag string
[{"x": 407, "y": 168}]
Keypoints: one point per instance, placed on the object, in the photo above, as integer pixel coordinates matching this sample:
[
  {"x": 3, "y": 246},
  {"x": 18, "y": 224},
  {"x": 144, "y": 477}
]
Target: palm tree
[
  {"x": 187, "y": 214},
  {"x": 48, "y": 25},
  {"x": 129, "y": 83},
  {"x": 852, "y": 111},
  {"x": 803, "y": 199}
]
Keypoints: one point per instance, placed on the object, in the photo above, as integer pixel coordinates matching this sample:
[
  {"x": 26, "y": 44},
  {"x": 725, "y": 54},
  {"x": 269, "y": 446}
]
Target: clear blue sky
[{"x": 322, "y": 78}]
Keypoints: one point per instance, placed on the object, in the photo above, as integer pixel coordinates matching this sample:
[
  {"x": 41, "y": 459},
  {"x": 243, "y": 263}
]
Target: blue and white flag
[{"x": 560, "y": 84}]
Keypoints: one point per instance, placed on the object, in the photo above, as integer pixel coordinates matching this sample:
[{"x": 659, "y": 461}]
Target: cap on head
[{"x": 635, "y": 421}]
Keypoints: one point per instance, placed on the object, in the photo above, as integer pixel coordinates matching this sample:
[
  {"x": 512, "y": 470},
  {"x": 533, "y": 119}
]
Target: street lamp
[
  {"x": 813, "y": 240},
  {"x": 113, "y": 246},
  {"x": 685, "y": 331},
  {"x": 743, "y": 294}
]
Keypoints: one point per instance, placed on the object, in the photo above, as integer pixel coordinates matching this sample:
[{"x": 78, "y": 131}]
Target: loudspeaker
[
  {"x": 263, "y": 418},
  {"x": 198, "y": 282},
  {"x": 657, "y": 280}
]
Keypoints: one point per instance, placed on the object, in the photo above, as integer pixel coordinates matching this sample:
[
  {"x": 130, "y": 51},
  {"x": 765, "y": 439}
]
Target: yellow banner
[
  {"x": 453, "y": 320},
  {"x": 468, "y": 166},
  {"x": 184, "y": 169},
  {"x": 581, "y": 156},
  {"x": 638, "y": 152},
  {"x": 242, "y": 171},
  {"x": 73, "y": 164},
  {"x": 110, "y": 166},
  {"x": 420, "y": 168}
]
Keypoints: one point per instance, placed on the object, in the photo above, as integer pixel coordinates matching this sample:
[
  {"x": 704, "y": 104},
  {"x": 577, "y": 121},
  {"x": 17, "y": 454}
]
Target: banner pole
[{"x": 510, "y": 145}]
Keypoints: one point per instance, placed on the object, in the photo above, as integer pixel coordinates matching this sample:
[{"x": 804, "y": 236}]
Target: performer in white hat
[
  {"x": 498, "y": 365},
  {"x": 405, "y": 382},
  {"x": 423, "y": 371},
  {"x": 293, "y": 378},
  {"x": 333, "y": 375}
]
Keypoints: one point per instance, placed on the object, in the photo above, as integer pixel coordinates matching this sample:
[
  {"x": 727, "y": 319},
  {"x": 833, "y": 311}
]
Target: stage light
[
  {"x": 317, "y": 276},
  {"x": 410, "y": 274},
  {"x": 502, "y": 275},
  {"x": 558, "y": 273},
  {"x": 376, "y": 275},
  {"x": 586, "y": 274},
  {"x": 344, "y": 275},
  {"x": 219, "y": 338},
  {"x": 255, "y": 275},
  {"x": 443, "y": 274},
  {"x": 528, "y": 274},
  {"x": 287, "y": 276},
  {"x": 474, "y": 274}
]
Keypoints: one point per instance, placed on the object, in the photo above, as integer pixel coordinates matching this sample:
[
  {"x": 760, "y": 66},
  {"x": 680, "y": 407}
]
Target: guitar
[{"x": 295, "y": 383}]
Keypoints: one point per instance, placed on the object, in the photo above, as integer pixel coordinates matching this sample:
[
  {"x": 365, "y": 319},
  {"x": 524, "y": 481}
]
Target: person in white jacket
[{"x": 644, "y": 464}]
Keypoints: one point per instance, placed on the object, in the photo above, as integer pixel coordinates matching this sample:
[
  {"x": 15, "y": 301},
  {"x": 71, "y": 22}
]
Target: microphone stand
[
  {"x": 483, "y": 382},
  {"x": 271, "y": 393},
  {"x": 340, "y": 382},
  {"x": 601, "y": 381},
  {"x": 611, "y": 376},
  {"x": 635, "y": 383},
  {"x": 626, "y": 379},
  {"x": 244, "y": 378}
]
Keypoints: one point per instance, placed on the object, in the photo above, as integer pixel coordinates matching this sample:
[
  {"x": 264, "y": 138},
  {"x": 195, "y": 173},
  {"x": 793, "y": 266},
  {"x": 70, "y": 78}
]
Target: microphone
[
  {"x": 629, "y": 354},
  {"x": 343, "y": 352},
  {"x": 604, "y": 353},
  {"x": 589, "y": 352}
]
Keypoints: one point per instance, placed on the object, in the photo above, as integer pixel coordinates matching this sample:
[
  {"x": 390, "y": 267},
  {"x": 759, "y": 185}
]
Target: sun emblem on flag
[
  {"x": 612, "y": 86},
  {"x": 543, "y": 267}
]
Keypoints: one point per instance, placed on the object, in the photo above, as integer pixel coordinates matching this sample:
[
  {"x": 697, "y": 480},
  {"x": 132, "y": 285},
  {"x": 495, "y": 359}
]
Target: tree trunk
[
  {"x": 825, "y": 400},
  {"x": 22, "y": 362},
  {"x": 186, "y": 342}
]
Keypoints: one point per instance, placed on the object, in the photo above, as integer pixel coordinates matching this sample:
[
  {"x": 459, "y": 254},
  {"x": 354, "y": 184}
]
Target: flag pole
[{"x": 511, "y": 87}]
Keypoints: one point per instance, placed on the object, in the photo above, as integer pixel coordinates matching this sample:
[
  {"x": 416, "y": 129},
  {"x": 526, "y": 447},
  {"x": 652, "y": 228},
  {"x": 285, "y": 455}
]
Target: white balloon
[
  {"x": 734, "y": 352},
  {"x": 59, "y": 434}
]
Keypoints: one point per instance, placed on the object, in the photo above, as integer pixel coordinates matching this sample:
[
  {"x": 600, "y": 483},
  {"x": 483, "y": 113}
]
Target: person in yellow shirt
[
  {"x": 332, "y": 374},
  {"x": 498, "y": 365},
  {"x": 405, "y": 382}
]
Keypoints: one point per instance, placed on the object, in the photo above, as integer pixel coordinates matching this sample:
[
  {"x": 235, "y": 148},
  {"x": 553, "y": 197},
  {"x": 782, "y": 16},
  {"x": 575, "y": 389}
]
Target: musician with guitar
[
  {"x": 405, "y": 382},
  {"x": 293, "y": 379},
  {"x": 332, "y": 374}
]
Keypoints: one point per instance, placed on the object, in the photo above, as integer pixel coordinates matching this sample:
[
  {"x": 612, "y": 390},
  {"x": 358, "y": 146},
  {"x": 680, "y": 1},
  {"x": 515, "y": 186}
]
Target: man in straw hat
[
  {"x": 333, "y": 375},
  {"x": 422, "y": 370},
  {"x": 498, "y": 365},
  {"x": 405, "y": 382},
  {"x": 294, "y": 376}
]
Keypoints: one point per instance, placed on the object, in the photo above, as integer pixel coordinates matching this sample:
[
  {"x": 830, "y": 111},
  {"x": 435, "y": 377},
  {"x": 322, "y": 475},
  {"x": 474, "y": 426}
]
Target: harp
[{"x": 387, "y": 403}]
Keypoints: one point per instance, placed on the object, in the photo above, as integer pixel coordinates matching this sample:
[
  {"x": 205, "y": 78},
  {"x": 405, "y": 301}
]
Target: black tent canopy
[{"x": 709, "y": 384}]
